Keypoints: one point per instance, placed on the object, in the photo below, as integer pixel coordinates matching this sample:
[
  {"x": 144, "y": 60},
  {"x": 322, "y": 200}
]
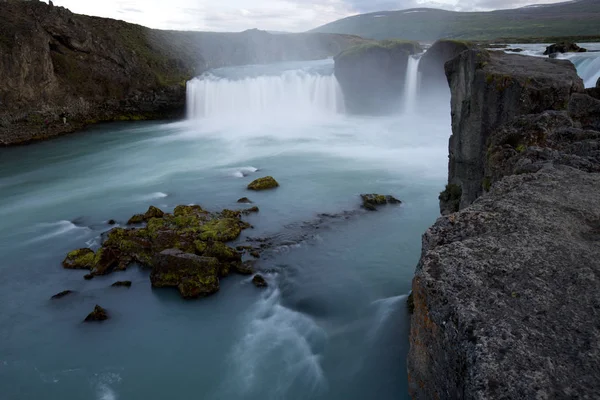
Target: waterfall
[
  {"x": 588, "y": 67},
  {"x": 412, "y": 84},
  {"x": 290, "y": 93}
]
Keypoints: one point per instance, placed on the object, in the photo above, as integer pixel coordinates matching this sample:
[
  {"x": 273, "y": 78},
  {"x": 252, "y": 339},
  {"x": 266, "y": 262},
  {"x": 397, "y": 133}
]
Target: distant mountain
[{"x": 572, "y": 18}]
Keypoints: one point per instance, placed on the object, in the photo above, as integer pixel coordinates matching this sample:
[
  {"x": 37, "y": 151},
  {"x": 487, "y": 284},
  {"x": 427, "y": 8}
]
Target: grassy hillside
[{"x": 576, "y": 18}]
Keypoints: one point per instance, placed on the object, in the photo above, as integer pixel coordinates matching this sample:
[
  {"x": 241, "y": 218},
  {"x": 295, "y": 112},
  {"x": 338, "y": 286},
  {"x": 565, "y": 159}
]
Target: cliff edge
[
  {"x": 506, "y": 294},
  {"x": 61, "y": 71}
]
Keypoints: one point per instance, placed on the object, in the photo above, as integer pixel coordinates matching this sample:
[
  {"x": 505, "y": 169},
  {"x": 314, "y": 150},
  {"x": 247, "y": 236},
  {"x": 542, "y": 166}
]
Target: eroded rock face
[
  {"x": 506, "y": 288},
  {"x": 192, "y": 275},
  {"x": 489, "y": 89},
  {"x": 506, "y": 293},
  {"x": 372, "y": 76}
]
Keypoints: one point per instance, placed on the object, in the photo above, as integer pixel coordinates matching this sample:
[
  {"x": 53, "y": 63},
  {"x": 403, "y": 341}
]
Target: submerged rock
[
  {"x": 251, "y": 210},
  {"x": 122, "y": 284},
  {"x": 88, "y": 277},
  {"x": 99, "y": 314},
  {"x": 79, "y": 259},
  {"x": 62, "y": 294},
  {"x": 563, "y": 47},
  {"x": 192, "y": 275},
  {"x": 259, "y": 281},
  {"x": 371, "y": 201},
  {"x": 268, "y": 182},
  {"x": 111, "y": 222},
  {"x": 245, "y": 268},
  {"x": 244, "y": 200}
]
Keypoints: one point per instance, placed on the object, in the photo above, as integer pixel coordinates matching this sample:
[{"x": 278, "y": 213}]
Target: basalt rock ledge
[{"x": 506, "y": 295}]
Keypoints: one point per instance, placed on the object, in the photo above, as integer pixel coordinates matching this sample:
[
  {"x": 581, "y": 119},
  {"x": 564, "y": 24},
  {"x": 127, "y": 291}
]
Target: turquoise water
[{"x": 332, "y": 325}]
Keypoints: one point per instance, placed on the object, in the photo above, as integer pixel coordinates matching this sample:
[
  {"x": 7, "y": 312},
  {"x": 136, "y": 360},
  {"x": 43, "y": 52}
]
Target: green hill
[{"x": 573, "y": 18}]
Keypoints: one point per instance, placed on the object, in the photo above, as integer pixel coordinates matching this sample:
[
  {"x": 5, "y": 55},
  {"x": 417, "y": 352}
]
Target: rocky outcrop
[
  {"x": 61, "y": 71},
  {"x": 268, "y": 182},
  {"x": 563, "y": 47},
  {"x": 372, "y": 201},
  {"x": 431, "y": 66},
  {"x": 373, "y": 75},
  {"x": 489, "y": 88},
  {"x": 506, "y": 294}
]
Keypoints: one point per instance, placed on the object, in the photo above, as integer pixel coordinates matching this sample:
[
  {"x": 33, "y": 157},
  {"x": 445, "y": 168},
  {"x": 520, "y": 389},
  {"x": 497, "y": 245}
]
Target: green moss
[
  {"x": 268, "y": 182},
  {"x": 223, "y": 230},
  {"x": 452, "y": 192},
  {"x": 79, "y": 259},
  {"x": 487, "y": 184},
  {"x": 521, "y": 148}
]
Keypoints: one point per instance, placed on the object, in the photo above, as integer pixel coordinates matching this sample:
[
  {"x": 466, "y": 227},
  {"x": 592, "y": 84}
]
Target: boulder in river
[
  {"x": 244, "y": 200},
  {"x": 99, "y": 314},
  {"x": 192, "y": 275},
  {"x": 564, "y": 47},
  {"x": 62, "y": 294},
  {"x": 259, "y": 281},
  {"x": 371, "y": 201},
  {"x": 79, "y": 259},
  {"x": 268, "y": 182}
]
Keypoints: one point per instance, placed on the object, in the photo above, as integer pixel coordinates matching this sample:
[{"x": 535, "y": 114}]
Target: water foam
[
  {"x": 58, "y": 228},
  {"x": 278, "y": 343}
]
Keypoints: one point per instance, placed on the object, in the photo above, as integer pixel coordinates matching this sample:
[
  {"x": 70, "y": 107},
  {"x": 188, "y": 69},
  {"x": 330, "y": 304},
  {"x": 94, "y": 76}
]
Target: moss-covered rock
[
  {"x": 99, "y": 314},
  {"x": 250, "y": 210},
  {"x": 450, "y": 199},
  {"x": 268, "y": 182},
  {"x": 79, "y": 259},
  {"x": 371, "y": 201},
  {"x": 153, "y": 212},
  {"x": 192, "y": 275}
]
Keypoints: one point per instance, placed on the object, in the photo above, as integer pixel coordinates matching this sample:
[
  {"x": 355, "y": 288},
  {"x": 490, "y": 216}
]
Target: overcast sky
[{"x": 274, "y": 15}]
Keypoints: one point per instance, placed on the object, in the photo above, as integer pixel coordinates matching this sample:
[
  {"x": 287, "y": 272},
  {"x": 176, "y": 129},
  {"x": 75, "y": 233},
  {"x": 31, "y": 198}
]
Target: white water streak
[{"x": 411, "y": 84}]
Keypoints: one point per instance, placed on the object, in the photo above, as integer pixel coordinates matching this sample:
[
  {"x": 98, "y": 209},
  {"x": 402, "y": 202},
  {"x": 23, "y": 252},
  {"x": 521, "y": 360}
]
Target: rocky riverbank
[
  {"x": 62, "y": 71},
  {"x": 506, "y": 294}
]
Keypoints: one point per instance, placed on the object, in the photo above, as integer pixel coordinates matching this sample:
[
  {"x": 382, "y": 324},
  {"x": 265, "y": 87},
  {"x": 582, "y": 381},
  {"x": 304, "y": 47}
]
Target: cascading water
[
  {"x": 412, "y": 84},
  {"x": 588, "y": 67},
  {"x": 292, "y": 92}
]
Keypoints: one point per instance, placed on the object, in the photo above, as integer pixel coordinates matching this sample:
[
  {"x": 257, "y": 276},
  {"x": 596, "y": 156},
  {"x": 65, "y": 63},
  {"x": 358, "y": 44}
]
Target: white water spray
[
  {"x": 292, "y": 93},
  {"x": 588, "y": 67},
  {"x": 412, "y": 84}
]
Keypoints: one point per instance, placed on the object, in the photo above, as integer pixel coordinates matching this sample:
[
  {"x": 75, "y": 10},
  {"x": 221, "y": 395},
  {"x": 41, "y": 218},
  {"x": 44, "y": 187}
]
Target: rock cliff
[
  {"x": 506, "y": 294},
  {"x": 57, "y": 64},
  {"x": 373, "y": 75}
]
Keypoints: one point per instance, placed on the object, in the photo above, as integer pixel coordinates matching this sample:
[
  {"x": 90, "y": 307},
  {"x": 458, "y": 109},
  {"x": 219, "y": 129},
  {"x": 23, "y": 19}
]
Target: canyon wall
[{"x": 506, "y": 295}]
